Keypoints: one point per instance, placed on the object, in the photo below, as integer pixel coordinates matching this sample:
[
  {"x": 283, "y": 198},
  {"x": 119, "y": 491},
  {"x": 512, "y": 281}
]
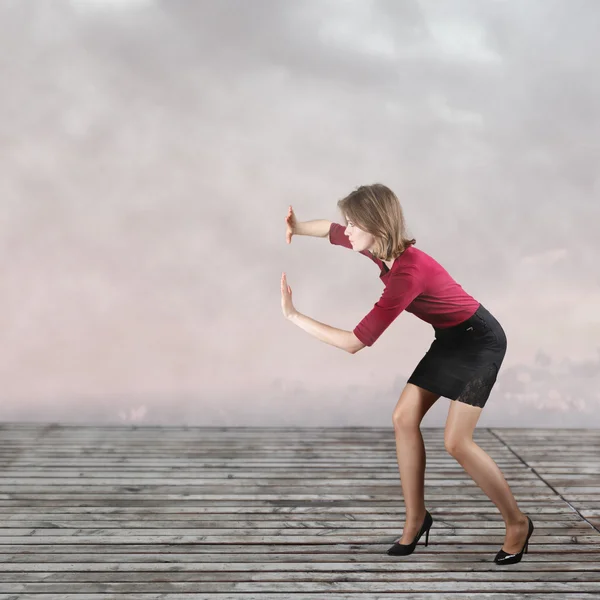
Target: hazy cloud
[{"x": 150, "y": 150}]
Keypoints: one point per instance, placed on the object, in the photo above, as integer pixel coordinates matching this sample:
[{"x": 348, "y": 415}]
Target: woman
[{"x": 462, "y": 363}]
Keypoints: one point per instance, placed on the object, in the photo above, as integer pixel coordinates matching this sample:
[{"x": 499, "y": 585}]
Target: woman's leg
[
  {"x": 414, "y": 402},
  {"x": 458, "y": 440}
]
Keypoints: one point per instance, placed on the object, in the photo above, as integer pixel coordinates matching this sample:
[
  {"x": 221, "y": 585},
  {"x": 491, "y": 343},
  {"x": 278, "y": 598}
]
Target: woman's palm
[{"x": 290, "y": 220}]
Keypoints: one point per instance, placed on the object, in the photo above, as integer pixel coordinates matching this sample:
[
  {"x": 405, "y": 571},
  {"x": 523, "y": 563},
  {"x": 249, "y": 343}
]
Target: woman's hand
[
  {"x": 286, "y": 299},
  {"x": 291, "y": 223}
]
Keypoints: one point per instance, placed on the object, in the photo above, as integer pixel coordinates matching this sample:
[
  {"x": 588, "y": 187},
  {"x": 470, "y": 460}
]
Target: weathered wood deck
[{"x": 190, "y": 512}]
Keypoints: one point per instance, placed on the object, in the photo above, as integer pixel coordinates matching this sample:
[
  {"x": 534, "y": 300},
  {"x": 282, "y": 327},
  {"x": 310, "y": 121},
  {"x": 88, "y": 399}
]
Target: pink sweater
[{"x": 416, "y": 283}]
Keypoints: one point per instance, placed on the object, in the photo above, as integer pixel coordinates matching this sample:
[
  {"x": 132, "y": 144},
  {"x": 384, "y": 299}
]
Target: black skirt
[{"x": 463, "y": 361}]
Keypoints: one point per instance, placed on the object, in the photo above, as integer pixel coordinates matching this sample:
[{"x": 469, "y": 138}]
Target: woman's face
[{"x": 361, "y": 240}]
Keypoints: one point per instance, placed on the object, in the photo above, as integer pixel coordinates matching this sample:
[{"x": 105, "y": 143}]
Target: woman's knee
[
  {"x": 453, "y": 444},
  {"x": 405, "y": 420},
  {"x": 461, "y": 422},
  {"x": 412, "y": 406}
]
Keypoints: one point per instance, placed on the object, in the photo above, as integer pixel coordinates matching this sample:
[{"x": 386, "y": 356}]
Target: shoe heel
[
  {"x": 427, "y": 537},
  {"x": 526, "y": 546}
]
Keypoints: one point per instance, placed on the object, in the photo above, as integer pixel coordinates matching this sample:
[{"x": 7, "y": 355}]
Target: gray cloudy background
[{"x": 150, "y": 151}]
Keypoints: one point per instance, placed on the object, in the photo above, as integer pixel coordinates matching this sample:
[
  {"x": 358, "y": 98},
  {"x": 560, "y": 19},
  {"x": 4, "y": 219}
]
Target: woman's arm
[
  {"x": 318, "y": 228},
  {"x": 340, "y": 338}
]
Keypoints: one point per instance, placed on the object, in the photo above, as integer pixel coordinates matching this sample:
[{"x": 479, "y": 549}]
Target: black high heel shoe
[
  {"x": 503, "y": 558},
  {"x": 404, "y": 549}
]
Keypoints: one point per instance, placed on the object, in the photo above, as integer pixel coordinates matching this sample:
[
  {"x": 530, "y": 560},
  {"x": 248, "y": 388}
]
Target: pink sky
[{"x": 145, "y": 180}]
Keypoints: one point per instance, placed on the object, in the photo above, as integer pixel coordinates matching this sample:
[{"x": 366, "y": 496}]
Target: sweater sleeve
[
  {"x": 337, "y": 236},
  {"x": 397, "y": 295}
]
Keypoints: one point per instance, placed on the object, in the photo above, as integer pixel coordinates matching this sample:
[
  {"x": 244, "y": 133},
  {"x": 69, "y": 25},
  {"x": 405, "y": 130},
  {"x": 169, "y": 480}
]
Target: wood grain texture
[{"x": 151, "y": 512}]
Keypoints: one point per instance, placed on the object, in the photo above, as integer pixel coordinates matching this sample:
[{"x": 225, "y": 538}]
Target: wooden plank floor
[{"x": 271, "y": 513}]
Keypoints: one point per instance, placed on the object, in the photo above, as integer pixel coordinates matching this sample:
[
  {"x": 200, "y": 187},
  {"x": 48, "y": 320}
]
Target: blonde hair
[{"x": 376, "y": 210}]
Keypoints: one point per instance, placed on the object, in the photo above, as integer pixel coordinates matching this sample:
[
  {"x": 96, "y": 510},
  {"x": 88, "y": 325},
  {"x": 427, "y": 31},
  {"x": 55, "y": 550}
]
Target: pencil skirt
[{"x": 463, "y": 361}]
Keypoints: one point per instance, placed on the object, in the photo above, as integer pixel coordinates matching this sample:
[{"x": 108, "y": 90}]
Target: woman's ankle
[
  {"x": 416, "y": 518},
  {"x": 518, "y": 519}
]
